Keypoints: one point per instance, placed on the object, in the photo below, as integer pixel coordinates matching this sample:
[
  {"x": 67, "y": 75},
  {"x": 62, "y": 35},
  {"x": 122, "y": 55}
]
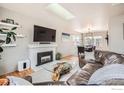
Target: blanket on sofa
[
  {"x": 60, "y": 69},
  {"x": 109, "y": 72}
]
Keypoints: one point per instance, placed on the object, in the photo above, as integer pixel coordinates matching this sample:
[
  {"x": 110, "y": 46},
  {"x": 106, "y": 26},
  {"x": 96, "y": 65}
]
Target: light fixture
[{"x": 60, "y": 11}]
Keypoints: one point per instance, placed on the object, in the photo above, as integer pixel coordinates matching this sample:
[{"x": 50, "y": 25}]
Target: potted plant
[
  {"x": 58, "y": 56},
  {"x": 1, "y": 49},
  {"x": 10, "y": 34},
  {"x": 1, "y": 42}
]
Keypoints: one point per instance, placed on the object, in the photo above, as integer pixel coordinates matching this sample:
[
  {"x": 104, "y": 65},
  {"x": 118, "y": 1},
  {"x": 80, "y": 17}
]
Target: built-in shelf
[
  {"x": 18, "y": 35},
  {"x": 4, "y": 35},
  {"x": 8, "y": 24},
  {"x": 8, "y": 45}
]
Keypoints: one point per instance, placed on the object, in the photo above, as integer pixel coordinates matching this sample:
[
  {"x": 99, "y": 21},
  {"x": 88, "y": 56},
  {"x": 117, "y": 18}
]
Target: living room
[
  {"x": 26, "y": 31},
  {"x": 69, "y": 29}
]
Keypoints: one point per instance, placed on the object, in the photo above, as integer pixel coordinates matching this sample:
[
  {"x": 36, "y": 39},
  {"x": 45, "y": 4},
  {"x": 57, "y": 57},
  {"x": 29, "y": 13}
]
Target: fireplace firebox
[{"x": 44, "y": 57}]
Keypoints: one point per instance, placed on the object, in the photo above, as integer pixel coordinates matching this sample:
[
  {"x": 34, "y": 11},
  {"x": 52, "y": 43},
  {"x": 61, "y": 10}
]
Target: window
[
  {"x": 95, "y": 40},
  {"x": 77, "y": 39}
]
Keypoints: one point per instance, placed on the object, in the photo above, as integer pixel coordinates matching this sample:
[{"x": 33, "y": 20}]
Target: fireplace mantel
[
  {"x": 36, "y": 48},
  {"x": 41, "y": 45}
]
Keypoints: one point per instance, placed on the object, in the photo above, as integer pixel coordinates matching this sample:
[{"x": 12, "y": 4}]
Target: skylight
[{"x": 60, "y": 11}]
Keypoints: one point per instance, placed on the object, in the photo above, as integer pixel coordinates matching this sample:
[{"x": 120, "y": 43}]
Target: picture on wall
[{"x": 65, "y": 37}]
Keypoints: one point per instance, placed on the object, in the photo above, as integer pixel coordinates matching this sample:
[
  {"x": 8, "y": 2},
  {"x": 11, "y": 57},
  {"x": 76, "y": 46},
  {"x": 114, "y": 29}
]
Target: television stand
[{"x": 44, "y": 42}]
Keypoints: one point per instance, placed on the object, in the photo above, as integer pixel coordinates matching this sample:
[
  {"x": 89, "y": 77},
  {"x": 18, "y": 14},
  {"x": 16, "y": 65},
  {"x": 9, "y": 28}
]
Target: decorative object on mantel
[
  {"x": 11, "y": 21},
  {"x": 10, "y": 34},
  {"x": 58, "y": 56},
  {"x": 61, "y": 69}
]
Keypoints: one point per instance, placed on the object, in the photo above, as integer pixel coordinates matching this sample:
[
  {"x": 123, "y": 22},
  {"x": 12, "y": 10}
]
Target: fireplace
[
  {"x": 34, "y": 49},
  {"x": 44, "y": 57}
]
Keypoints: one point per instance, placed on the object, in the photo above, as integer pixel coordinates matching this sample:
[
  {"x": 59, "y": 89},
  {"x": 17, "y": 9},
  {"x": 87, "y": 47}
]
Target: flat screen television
[{"x": 44, "y": 34}]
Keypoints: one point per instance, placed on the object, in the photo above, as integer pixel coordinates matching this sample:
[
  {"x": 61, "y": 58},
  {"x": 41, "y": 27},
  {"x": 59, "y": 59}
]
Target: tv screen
[{"x": 43, "y": 34}]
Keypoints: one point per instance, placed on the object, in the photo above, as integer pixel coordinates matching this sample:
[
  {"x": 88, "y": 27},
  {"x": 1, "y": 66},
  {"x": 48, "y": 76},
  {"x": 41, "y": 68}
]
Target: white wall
[
  {"x": 12, "y": 55},
  {"x": 116, "y": 41}
]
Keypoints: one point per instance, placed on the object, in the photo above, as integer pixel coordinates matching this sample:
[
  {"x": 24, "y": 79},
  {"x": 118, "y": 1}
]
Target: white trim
[
  {"x": 18, "y": 35},
  {"x": 8, "y": 45},
  {"x": 8, "y": 24},
  {"x": 42, "y": 45}
]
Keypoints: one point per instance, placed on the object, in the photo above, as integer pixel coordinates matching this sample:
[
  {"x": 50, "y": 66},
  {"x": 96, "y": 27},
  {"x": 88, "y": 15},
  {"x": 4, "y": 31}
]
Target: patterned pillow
[
  {"x": 112, "y": 59},
  {"x": 98, "y": 56}
]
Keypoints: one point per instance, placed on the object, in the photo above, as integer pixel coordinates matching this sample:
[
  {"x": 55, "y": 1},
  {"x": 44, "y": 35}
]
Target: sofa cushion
[
  {"x": 113, "y": 81},
  {"x": 82, "y": 76},
  {"x": 99, "y": 56},
  {"x": 106, "y": 74},
  {"x": 107, "y": 57}
]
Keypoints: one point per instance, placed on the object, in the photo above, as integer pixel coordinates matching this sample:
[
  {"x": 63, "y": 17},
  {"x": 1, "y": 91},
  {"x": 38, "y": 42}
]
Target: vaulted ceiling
[{"x": 96, "y": 15}]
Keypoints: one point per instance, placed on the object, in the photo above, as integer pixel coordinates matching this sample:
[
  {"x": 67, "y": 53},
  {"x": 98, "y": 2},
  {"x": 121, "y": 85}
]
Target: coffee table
[{"x": 43, "y": 73}]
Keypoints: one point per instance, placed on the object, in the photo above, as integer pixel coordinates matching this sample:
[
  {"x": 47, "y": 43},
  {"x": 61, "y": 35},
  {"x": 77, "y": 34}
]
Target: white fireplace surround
[{"x": 35, "y": 48}]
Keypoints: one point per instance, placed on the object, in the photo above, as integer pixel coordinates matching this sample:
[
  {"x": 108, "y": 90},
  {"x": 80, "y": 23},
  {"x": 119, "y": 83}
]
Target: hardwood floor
[
  {"x": 18, "y": 73},
  {"x": 69, "y": 58}
]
